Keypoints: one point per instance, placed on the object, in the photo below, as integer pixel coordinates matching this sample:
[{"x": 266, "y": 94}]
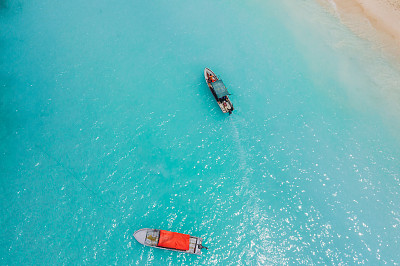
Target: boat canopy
[
  {"x": 173, "y": 240},
  {"x": 220, "y": 88}
]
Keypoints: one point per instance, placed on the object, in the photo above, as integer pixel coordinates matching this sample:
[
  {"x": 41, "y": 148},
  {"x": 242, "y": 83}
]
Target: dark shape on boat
[
  {"x": 219, "y": 91},
  {"x": 169, "y": 240}
]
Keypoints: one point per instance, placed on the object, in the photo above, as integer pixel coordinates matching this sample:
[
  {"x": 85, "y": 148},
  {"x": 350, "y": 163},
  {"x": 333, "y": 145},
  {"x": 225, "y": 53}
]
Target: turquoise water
[{"x": 107, "y": 126}]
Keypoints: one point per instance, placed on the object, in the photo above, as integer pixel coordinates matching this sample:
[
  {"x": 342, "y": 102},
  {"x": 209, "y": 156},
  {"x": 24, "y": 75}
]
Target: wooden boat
[
  {"x": 169, "y": 240},
  {"x": 219, "y": 91}
]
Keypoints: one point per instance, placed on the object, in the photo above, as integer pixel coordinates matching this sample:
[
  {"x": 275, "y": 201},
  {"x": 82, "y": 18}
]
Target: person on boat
[{"x": 211, "y": 78}]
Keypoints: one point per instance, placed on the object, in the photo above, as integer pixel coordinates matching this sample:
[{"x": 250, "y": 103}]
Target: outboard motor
[{"x": 200, "y": 246}]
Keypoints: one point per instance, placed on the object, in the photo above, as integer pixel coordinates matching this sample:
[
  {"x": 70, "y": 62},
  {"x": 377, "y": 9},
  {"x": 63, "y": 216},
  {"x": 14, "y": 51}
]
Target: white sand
[
  {"x": 376, "y": 20},
  {"x": 384, "y": 15}
]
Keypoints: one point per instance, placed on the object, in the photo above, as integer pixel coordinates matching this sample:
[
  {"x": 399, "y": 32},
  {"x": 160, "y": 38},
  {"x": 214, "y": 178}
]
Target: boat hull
[
  {"x": 148, "y": 237},
  {"x": 225, "y": 104}
]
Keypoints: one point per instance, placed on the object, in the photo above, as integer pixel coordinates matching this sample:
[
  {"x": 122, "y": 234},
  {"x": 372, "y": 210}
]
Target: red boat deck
[{"x": 173, "y": 240}]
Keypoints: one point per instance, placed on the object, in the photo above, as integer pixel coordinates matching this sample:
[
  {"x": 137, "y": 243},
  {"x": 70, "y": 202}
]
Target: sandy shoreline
[
  {"x": 376, "y": 20},
  {"x": 384, "y": 15}
]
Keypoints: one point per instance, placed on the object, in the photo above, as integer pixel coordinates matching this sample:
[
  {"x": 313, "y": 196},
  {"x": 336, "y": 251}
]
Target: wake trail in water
[{"x": 242, "y": 154}]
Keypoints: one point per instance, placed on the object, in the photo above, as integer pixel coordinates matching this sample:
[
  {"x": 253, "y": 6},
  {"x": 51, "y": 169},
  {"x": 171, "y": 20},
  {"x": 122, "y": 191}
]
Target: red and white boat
[{"x": 169, "y": 240}]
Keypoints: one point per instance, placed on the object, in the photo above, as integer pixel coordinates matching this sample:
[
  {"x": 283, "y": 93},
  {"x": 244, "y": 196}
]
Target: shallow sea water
[{"x": 107, "y": 126}]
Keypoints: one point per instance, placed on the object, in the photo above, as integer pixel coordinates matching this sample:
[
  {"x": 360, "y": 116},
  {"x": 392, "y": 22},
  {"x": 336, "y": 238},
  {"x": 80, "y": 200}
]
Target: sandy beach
[
  {"x": 376, "y": 20},
  {"x": 384, "y": 15}
]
